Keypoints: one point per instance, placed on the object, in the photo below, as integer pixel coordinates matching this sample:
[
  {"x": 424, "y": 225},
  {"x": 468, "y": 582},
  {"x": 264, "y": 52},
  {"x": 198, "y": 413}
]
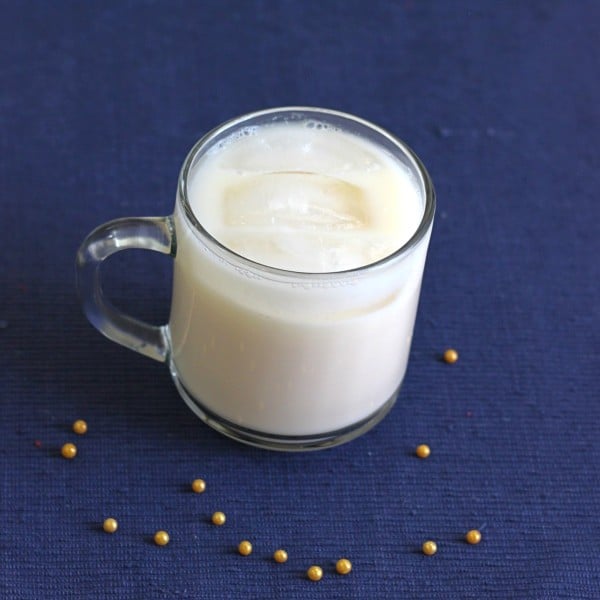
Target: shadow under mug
[{"x": 273, "y": 358}]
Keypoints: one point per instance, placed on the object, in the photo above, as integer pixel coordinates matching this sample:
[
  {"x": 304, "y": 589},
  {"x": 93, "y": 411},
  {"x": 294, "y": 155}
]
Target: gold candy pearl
[
  {"x": 473, "y": 536},
  {"x": 314, "y": 573},
  {"x": 110, "y": 525},
  {"x": 423, "y": 451},
  {"x": 280, "y": 556},
  {"x": 450, "y": 356},
  {"x": 69, "y": 451},
  {"x": 343, "y": 566},
  {"x": 218, "y": 518},
  {"x": 161, "y": 538},
  {"x": 80, "y": 427},
  {"x": 245, "y": 548},
  {"x": 198, "y": 485},
  {"x": 429, "y": 548}
]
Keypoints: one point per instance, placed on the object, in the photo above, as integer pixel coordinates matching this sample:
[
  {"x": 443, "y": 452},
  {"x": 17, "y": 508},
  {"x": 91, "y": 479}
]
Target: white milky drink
[
  {"x": 300, "y": 336},
  {"x": 305, "y": 198}
]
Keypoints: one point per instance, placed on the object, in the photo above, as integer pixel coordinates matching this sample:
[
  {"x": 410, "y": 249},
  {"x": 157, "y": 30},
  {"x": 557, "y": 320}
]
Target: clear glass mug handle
[{"x": 146, "y": 233}]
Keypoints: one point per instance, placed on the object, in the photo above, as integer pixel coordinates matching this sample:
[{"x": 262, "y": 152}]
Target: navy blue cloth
[{"x": 99, "y": 104}]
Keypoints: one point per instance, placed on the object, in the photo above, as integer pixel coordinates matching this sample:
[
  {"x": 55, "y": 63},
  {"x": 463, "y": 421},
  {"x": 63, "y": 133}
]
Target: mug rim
[{"x": 266, "y": 270}]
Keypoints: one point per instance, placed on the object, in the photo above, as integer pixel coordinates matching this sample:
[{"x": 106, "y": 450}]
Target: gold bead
[
  {"x": 473, "y": 536},
  {"x": 245, "y": 548},
  {"x": 80, "y": 427},
  {"x": 280, "y": 556},
  {"x": 343, "y": 566},
  {"x": 450, "y": 356},
  {"x": 161, "y": 538},
  {"x": 429, "y": 548},
  {"x": 110, "y": 525},
  {"x": 218, "y": 518},
  {"x": 423, "y": 451},
  {"x": 69, "y": 450},
  {"x": 314, "y": 573},
  {"x": 198, "y": 485}
]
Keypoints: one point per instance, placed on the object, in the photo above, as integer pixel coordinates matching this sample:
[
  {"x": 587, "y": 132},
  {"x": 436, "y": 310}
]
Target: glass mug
[{"x": 276, "y": 358}]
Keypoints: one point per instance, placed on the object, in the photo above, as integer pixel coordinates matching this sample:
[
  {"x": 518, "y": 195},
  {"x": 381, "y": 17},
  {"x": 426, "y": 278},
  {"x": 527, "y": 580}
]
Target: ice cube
[{"x": 300, "y": 201}]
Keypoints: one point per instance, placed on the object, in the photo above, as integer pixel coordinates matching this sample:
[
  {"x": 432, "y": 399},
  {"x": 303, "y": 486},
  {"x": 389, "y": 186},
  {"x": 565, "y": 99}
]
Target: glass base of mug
[{"x": 288, "y": 443}]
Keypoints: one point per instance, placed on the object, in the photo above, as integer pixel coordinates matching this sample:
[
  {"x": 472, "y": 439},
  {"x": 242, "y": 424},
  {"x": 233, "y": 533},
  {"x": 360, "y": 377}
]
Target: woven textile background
[{"x": 99, "y": 104}]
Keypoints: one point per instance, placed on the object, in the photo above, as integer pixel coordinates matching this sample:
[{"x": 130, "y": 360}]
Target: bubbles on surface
[
  {"x": 319, "y": 125},
  {"x": 249, "y": 131}
]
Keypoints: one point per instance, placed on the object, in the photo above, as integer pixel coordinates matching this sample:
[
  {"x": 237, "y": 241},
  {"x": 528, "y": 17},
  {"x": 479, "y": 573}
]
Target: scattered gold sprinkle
[
  {"x": 280, "y": 556},
  {"x": 423, "y": 451},
  {"x": 343, "y": 566},
  {"x": 245, "y": 548},
  {"x": 110, "y": 525},
  {"x": 314, "y": 573},
  {"x": 198, "y": 485},
  {"x": 80, "y": 427},
  {"x": 450, "y": 356},
  {"x": 161, "y": 538},
  {"x": 473, "y": 536},
  {"x": 429, "y": 548},
  {"x": 218, "y": 518},
  {"x": 69, "y": 450}
]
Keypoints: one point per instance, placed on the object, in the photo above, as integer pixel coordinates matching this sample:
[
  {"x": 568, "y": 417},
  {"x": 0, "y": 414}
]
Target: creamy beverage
[
  {"x": 296, "y": 358},
  {"x": 299, "y": 238},
  {"x": 305, "y": 197}
]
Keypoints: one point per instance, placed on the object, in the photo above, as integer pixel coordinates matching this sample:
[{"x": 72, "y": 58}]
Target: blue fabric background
[{"x": 99, "y": 104}]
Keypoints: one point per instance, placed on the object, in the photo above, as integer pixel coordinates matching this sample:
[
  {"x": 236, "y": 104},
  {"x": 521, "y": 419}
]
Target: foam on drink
[{"x": 304, "y": 197}]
